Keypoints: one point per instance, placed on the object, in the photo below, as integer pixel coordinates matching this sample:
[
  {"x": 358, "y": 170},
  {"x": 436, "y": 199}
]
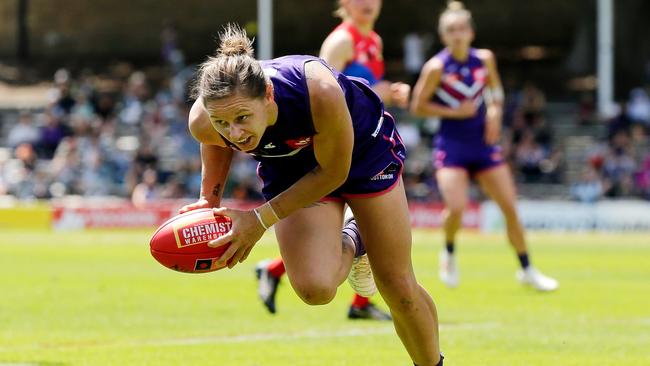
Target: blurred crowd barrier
[{"x": 117, "y": 213}]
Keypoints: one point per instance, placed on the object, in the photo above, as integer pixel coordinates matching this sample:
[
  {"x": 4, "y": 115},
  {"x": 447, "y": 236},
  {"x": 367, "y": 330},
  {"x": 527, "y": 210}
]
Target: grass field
[{"x": 98, "y": 298}]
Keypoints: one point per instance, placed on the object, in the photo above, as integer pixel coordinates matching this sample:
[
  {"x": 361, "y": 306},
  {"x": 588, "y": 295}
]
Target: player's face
[
  {"x": 457, "y": 32},
  {"x": 362, "y": 11},
  {"x": 240, "y": 119}
]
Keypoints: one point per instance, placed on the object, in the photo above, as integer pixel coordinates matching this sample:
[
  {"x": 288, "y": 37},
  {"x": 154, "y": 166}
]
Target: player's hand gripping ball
[{"x": 181, "y": 243}]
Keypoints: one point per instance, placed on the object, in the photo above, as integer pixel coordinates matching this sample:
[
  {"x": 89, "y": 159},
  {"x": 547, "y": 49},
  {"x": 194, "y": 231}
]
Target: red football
[{"x": 181, "y": 243}]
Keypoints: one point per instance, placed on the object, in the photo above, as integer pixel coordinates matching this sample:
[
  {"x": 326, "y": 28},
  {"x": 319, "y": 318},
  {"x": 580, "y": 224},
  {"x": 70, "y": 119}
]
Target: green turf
[{"x": 98, "y": 298}]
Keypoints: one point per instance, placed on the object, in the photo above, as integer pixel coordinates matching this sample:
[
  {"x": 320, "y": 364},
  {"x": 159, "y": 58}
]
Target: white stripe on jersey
[
  {"x": 379, "y": 123},
  {"x": 447, "y": 98},
  {"x": 468, "y": 91},
  {"x": 292, "y": 153}
]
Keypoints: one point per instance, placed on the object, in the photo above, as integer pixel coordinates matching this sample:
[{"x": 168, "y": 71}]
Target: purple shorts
[
  {"x": 376, "y": 167},
  {"x": 473, "y": 158}
]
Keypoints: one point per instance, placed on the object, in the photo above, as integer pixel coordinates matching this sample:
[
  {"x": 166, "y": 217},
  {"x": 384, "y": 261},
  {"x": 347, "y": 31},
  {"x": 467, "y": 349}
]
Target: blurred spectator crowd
[
  {"x": 619, "y": 165},
  {"x": 123, "y": 133}
]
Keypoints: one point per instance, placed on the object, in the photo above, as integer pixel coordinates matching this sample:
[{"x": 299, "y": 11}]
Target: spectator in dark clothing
[
  {"x": 620, "y": 122},
  {"x": 51, "y": 135}
]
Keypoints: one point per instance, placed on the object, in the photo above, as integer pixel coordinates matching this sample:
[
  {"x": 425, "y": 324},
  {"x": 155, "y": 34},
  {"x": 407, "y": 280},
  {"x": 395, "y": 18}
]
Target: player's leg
[
  {"x": 316, "y": 259},
  {"x": 499, "y": 186},
  {"x": 268, "y": 273},
  {"x": 386, "y": 231},
  {"x": 453, "y": 184},
  {"x": 362, "y": 308},
  {"x": 498, "y": 183},
  {"x": 275, "y": 267}
]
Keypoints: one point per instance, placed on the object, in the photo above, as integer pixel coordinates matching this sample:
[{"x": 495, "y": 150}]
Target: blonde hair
[
  {"x": 340, "y": 11},
  {"x": 454, "y": 8},
  {"x": 233, "y": 70}
]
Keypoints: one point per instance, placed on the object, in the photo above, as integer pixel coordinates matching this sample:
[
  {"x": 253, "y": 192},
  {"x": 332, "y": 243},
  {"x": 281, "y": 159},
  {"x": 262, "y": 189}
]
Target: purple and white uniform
[
  {"x": 461, "y": 143},
  {"x": 285, "y": 152}
]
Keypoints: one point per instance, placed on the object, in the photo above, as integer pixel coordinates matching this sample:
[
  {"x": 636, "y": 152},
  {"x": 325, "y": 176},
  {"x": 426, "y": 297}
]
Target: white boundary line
[{"x": 244, "y": 338}]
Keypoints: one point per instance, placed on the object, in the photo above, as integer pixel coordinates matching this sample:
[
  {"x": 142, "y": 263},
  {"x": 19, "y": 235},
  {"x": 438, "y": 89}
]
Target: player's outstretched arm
[
  {"x": 333, "y": 143},
  {"x": 215, "y": 159}
]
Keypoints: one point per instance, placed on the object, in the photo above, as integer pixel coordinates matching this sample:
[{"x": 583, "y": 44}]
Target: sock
[
  {"x": 352, "y": 230},
  {"x": 276, "y": 268},
  {"x": 523, "y": 260},
  {"x": 360, "y": 302},
  {"x": 438, "y": 364},
  {"x": 450, "y": 247}
]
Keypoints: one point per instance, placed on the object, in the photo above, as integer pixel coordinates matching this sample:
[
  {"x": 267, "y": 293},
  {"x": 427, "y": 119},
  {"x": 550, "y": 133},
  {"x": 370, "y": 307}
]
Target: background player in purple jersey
[
  {"x": 355, "y": 49},
  {"x": 461, "y": 85},
  {"x": 322, "y": 140}
]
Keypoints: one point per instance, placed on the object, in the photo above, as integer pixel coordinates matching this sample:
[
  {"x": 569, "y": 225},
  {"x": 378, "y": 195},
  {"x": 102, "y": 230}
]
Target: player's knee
[
  {"x": 455, "y": 211},
  {"x": 315, "y": 293},
  {"x": 399, "y": 291}
]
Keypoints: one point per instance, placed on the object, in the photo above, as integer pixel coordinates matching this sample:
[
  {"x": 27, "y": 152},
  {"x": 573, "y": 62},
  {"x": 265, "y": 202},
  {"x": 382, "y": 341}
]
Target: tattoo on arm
[
  {"x": 216, "y": 190},
  {"x": 316, "y": 204}
]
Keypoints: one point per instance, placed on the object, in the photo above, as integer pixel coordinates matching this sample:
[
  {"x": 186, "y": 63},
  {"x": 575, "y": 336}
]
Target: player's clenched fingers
[
  {"x": 248, "y": 251},
  {"x": 187, "y": 208},
  {"x": 222, "y": 240},
  {"x": 237, "y": 257},
  {"x": 222, "y": 211},
  {"x": 229, "y": 253}
]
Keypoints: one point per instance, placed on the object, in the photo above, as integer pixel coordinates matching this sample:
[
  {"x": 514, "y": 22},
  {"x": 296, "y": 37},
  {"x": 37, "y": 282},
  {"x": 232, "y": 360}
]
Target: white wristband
[
  {"x": 273, "y": 212},
  {"x": 494, "y": 95},
  {"x": 259, "y": 218}
]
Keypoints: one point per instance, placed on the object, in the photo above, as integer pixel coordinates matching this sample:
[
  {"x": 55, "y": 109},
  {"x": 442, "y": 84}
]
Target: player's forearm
[
  {"x": 495, "y": 111},
  {"x": 307, "y": 190},
  {"x": 382, "y": 89},
  {"x": 431, "y": 109},
  {"x": 215, "y": 165}
]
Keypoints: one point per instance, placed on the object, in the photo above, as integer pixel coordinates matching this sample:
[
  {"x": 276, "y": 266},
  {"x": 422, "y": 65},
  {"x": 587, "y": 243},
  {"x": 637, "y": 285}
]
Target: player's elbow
[
  {"x": 337, "y": 174},
  {"x": 417, "y": 108}
]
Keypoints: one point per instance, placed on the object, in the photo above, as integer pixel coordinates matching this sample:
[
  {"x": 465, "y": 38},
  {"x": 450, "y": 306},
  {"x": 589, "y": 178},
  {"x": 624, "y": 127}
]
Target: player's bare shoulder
[
  {"x": 320, "y": 80},
  {"x": 200, "y": 126},
  {"x": 433, "y": 66},
  {"x": 337, "y": 49},
  {"x": 487, "y": 56},
  {"x": 338, "y": 38}
]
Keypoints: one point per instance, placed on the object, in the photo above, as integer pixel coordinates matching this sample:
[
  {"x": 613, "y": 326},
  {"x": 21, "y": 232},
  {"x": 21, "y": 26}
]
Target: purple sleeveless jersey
[
  {"x": 285, "y": 152},
  {"x": 461, "y": 143}
]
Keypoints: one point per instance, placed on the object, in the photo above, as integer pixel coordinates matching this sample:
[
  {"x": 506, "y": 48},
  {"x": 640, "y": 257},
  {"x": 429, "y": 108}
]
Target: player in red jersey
[{"x": 355, "y": 49}]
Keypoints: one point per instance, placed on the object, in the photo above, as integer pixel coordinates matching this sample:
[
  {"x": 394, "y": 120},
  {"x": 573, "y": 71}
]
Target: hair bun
[
  {"x": 234, "y": 42},
  {"x": 455, "y": 6}
]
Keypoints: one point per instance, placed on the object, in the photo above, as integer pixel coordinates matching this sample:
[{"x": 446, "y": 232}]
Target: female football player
[
  {"x": 355, "y": 49},
  {"x": 322, "y": 140},
  {"x": 461, "y": 85}
]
